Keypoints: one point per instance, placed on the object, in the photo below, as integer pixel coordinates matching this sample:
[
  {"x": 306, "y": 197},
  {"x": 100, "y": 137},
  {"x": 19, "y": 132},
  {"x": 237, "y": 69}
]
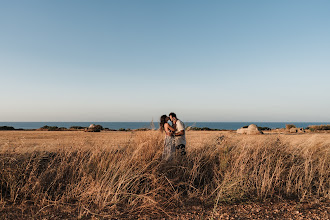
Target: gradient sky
[{"x": 136, "y": 60}]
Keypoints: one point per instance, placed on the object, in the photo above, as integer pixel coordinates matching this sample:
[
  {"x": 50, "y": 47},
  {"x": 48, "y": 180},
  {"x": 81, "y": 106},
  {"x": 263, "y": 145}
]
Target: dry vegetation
[
  {"x": 121, "y": 174},
  {"x": 319, "y": 127}
]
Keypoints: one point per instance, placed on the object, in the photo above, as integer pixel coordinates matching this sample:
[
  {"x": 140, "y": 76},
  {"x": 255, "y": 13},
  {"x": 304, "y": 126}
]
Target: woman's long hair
[{"x": 162, "y": 122}]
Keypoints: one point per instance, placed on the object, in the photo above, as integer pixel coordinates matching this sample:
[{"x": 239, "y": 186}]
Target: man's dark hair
[{"x": 173, "y": 114}]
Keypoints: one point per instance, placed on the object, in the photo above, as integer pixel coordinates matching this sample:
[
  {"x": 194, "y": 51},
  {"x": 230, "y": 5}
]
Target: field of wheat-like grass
[{"x": 122, "y": 175}]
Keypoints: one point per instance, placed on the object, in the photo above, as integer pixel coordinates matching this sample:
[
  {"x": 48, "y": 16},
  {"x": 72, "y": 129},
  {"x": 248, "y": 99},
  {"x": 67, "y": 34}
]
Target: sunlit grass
[{"x": 91, "y": 176}]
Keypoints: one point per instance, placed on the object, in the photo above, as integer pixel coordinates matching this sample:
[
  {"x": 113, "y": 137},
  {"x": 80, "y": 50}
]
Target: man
[{"x": 180, "y": 137}]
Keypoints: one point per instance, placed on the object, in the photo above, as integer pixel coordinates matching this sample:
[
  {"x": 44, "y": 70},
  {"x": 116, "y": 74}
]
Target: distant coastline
[{"x": 139, "y": 125}]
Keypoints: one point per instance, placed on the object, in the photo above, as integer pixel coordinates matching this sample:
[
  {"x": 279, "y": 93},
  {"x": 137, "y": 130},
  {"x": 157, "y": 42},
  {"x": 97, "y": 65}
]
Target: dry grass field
[{"x": 73, "y": 174}]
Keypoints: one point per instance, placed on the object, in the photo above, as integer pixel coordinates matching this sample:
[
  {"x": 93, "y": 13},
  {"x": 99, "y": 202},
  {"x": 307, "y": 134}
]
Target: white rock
[{"x": 252, "y": 129}]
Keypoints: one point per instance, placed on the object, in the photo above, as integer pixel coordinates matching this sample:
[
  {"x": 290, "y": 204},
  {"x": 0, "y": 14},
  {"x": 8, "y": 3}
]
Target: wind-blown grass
[{"x": 133, "y": 180}]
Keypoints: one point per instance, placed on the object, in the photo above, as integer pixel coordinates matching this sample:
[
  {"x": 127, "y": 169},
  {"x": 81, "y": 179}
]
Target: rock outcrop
[
  {"x": 297, "y": 130},
  {"x": 94, "y": 128},
  {"x": 252, "y": 129}
]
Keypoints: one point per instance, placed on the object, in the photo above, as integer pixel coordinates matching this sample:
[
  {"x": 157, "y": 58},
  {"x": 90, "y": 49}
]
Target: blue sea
[{"x": 136, "y": 125}]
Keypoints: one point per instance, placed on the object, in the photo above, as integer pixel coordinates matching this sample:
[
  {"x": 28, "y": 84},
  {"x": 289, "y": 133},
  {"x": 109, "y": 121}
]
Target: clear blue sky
[{"x": 136, "y": 60}]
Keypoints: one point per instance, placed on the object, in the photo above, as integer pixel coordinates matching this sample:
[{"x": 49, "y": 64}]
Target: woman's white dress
[{"x": 169, "y": 148}]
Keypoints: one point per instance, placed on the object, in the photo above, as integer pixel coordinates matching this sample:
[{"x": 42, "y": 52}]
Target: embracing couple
[{"x": 175, "y": 138}]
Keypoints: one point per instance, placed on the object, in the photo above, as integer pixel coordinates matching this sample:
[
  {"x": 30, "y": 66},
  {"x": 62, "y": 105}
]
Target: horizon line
[{"x": 157, "y": 121}]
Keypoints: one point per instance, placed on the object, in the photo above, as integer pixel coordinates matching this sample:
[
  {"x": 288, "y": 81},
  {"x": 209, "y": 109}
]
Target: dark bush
[
  {"x": 77, "y": 127},
  {"x": 98, "y": 127},
  {"x": 203, "y": 129},
  {"x": 143, "y": 129},
  {"x": 264, "y": 128},
  {"x": 50, "y": 128},
  {"x": 124, "y": 129},
  {"x": 6, "y": 128},
  {"x": 62, "y": 129},
  {"x": 318, "y": 127}
]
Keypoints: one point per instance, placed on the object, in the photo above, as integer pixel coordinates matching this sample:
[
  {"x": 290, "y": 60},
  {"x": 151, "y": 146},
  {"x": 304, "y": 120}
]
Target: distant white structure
[{"x": 252, "y": 129}]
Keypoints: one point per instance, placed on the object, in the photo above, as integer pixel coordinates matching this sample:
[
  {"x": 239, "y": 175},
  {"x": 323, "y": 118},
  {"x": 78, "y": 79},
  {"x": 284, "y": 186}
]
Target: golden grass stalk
[{"x": 132, "y": 179}]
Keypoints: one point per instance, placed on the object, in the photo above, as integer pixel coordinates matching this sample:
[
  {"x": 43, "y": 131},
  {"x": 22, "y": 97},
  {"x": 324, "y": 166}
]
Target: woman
[{"x": 169, "y": 144}]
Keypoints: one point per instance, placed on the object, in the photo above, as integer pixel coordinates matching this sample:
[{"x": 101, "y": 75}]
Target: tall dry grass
[
  {"x": 133, "y": 180},
  {"x": 319, "y": 127}
]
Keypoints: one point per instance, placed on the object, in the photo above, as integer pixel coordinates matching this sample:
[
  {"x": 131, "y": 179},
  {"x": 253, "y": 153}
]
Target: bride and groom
[{"x": 175, "y": 138}]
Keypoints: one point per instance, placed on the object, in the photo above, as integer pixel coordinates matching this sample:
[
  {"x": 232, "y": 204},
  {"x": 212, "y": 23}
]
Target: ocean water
[{"x": 136, "y": 125}]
